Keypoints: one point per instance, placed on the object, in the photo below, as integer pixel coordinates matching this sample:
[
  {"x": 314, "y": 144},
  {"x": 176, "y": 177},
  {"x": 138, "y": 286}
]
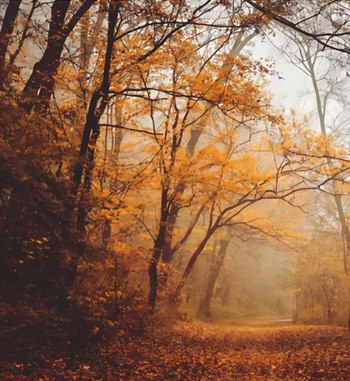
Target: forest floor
[{"x": 198, "y": 351}]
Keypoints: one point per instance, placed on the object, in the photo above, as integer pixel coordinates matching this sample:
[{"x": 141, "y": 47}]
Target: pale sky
[{"x": 291, "y": 90}]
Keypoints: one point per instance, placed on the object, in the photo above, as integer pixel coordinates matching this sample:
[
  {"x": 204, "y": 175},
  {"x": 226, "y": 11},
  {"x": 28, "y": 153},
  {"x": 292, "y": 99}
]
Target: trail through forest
[
  {"x": 193, "y": 351},
  {"x": 162, "y": 159}
]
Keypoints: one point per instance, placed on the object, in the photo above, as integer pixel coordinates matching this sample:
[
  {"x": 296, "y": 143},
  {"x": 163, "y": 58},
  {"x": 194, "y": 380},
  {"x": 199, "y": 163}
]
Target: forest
[{"x": 174, "y": 190}]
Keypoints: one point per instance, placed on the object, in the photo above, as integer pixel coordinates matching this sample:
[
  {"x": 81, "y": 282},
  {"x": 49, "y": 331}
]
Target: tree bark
[
  {"x": 211, "y": 230},
  {"x": 5, "y": 35},
  {"x": 90, "y": 135},
  {"x": 39, "y": 87},
  {"x": 321, "y": 109},
  {"x": 168, "y": 250},
  {"x": 24, "y": 35},
  {"x": 87, "y": 44},
  {"x": 157, "y": 250},
  {"x": 196, "y": 132},
  {"x": 43, "y": 71},
  {"x": 218, "y": 260},
  {"x": 91, "y": 130}
]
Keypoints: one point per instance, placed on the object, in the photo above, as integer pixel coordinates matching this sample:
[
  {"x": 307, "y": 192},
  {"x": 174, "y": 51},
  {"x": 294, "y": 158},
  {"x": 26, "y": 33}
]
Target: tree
[
  {"x": 239, "y": 44},
  {"x": 309, "y": 58},
  {"x": 216, "y": 265},
  {"x": 308, "y": 55},
  {"x": 179, "y": 116},
  {"x": 7, "y": 27},
  {"x": 319, "y": 281},
  {"x": 39, "y": 86},
  {"x": 195, "y": 157},
  {"x": 293, "y": 174},
  {"x": 334, "y": 38}
]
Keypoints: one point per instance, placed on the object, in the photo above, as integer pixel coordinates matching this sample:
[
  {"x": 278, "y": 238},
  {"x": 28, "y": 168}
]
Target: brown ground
[{"x": 196, "y": 351}]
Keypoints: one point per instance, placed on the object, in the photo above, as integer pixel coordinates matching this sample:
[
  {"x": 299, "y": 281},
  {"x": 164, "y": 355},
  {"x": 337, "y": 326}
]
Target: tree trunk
[
  {"x": 87, "y": 44},
  {"x": 91, "y": 130},
  {"x": 168, "y": 251},
  {"x": 90, "y": 136},
  {"x": 192, "y": 261},
  {"x": 39, "y": 87},
  {"x": 40, "y": 83},
  {"x": 117, "y": 135},
  {"x": 197, "y": 252},
  {"x": 5, "y": 35},
  {"x": 196, "y": 132},
  {"x": 225, "y": 297},
  {"x": 217, "y": 262},
  {"x": 24, "y": 36},
  {"x": 321, "y": 110},
  {"x": 157, "y": 250}
]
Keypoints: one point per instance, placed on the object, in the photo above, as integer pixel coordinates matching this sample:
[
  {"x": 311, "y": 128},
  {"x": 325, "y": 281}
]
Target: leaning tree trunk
[
  {"x": 217, "y": 262},
  {"x": 176, "y": 296},
  {"x": 39, "y": 87},
  {"x": 42, "y": 77},
  {"x": 91, "y": 133}
]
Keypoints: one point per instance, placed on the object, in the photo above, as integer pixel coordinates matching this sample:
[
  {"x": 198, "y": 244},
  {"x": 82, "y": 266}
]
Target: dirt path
[
  {"x": 241, "y": 353},
  {"x": 191, "y": 351}
]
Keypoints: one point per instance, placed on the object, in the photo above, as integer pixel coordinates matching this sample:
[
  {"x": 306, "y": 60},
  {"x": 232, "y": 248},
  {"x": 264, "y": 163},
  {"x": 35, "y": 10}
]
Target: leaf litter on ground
[{"x": 199, "y": 351}]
